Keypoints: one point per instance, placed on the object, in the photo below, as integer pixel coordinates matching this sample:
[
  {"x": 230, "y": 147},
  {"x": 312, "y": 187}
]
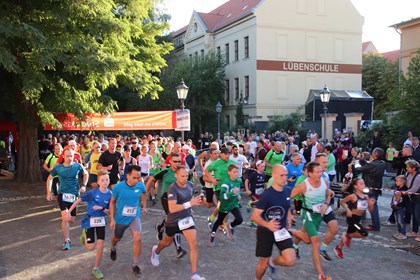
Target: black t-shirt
[
  {"x": 135, "y": 153},
  {"x": 106, "y": 159},
  {"x": 275, "y": 205},
  {"x": 205, "y": 143},
  {"x": 256, "y": 181}
]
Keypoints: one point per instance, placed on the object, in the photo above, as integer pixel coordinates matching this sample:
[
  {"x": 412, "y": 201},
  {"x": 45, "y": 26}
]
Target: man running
[
  {"x": 180, "y": 220},
  {"x": 124, "y": 211},
  {"x": 316, "y": 198},
  {"x": 112, "y": 161},
  {"x": 68, "y": 190},
  {"x": 273, "y": 216}
]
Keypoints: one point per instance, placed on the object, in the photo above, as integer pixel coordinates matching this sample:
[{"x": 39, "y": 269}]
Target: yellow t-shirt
[{"x": 94, "y": 159}]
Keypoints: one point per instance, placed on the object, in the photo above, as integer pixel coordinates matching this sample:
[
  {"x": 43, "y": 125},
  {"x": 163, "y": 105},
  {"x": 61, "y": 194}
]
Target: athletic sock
[
  {"x": 211, "y": 218},
  {"x": 324, "y": 247},
  {"x": 296, "y": 246}
]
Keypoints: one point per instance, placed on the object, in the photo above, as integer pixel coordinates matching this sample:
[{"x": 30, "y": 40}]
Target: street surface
[{"x": 31, "y": 241}]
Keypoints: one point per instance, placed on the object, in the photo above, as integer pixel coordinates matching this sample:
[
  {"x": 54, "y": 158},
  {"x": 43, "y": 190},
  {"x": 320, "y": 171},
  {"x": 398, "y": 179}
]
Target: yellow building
[
  {"x": 277, "y": 51},
  {"x": 410, "y": 40}
]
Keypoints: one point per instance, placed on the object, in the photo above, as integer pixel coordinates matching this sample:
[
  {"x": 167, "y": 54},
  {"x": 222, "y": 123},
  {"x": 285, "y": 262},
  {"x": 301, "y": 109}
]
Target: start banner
[{"x": 156, "y": 120}]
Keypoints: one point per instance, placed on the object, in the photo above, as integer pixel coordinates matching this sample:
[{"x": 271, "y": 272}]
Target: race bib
[
  {"x": 97, "y": 221},
  {"x": 281, "y": 235},
  {"x": 259, "y": 191},
  {"x": 206, "y": 143},
  {"x": 317, "y": 207},
  {"x": 129, "y": 211},
  {"x": 362, "y": 204},
  {"x": 185, "y": 223},
  {"x": 68, "y": 197}
]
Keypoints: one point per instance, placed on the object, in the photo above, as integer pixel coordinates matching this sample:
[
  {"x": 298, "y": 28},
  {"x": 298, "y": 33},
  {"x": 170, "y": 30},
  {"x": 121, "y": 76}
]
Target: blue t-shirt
[
  {"x": 293, "y": 171},
  {"x": 275, "y": 205},
  {"x": 127, "y": 201},
  {"x": 69, "y": 177},
  {"x": 95, "y": 198},
  {"x": 325, "y": 176}
]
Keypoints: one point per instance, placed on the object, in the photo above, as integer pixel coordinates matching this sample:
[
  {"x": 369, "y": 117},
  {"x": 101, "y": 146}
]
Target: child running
[
  {"x": 229, "y": 202},
  {"x": 359, "y": 203},
  {"x": 97, "y": 208}
]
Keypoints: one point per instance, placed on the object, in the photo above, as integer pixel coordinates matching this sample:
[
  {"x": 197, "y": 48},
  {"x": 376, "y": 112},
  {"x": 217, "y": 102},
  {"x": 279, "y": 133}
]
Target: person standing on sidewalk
[
  {"x": 413, "y": 184},
  {"x": 125, "y": 213},
  {"x": 68, "y": 190},
  {"x": 180, "y": 220},
  {"x": 95, "y": 220},
  {"x": 273, "y": 216}
]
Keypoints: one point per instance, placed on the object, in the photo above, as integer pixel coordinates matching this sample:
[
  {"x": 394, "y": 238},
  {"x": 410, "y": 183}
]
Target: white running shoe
[
  {"x": 155, "y": 257},
  {"x": 197, "y": 277}
]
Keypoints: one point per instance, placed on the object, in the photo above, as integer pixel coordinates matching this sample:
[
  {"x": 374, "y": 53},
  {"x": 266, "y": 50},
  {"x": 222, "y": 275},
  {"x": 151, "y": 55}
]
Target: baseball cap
[
  {"x": 259, "y": 162},
  {"x": 185, "y": 147},
  {"x": 224, "y": 150}
]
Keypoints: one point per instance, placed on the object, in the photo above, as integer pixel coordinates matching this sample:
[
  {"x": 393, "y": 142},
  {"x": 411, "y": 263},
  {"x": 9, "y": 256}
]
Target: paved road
[{"x": 30, "y": 248}]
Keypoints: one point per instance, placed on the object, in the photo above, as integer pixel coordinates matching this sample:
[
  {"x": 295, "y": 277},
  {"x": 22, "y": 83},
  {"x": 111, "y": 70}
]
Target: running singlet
[
  {"x": 314, "y": 197},
  {"x": 127, "y": 201},
  {"x": 275, "y": 205},
  {"x": 95, "y": 198},
  {"x": 69, "y": 177},
  {"x": 360, "y": 204}
]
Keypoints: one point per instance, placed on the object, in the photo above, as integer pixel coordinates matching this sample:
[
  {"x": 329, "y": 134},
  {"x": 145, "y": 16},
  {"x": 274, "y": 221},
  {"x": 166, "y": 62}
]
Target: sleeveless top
[
  {"x": 313, "y": 195},
  {"x": 360, "y": 204}
]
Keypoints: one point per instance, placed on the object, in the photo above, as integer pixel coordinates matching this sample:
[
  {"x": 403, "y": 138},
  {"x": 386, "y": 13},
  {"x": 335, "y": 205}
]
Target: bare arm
[
  {"x": 272, "y": 225},
  {"x": 112, "y": 213}
]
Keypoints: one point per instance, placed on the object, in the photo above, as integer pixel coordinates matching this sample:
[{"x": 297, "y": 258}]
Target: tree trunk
[{"x": 28, "y": 165}]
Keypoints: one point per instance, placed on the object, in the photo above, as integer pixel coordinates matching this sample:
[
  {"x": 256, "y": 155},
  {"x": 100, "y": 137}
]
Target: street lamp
[
  {"x": 325, "y": 95},
  {"x": 218, "y": 110},
  {"x": 182, "y": 91}
]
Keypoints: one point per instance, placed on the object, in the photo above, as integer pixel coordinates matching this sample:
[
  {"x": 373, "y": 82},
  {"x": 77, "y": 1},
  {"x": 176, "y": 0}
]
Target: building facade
[
  {"x": 410, "y": 40},
  {"x": 277, "y": 51}
]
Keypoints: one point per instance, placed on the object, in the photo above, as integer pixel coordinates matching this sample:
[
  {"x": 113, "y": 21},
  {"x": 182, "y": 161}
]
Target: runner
[
  {"x": 49, "y": 164},
  {"x": 180, "y": 220},
  {"x": 229, "y": 202},
  {"x": 68, "y": 191},
  {"x": 112, "y": 161},
  {"x": 359, "y": 202},
  {"x": 167, "y": 176},
  {"x": 209, "y": 187},
  {"x": 125, "y": 213},
  {"x": 91, "y": 161},
  {"x": 254, "y": 186},
  {"x": 95, "y": 222},
  {"x": 316, "y": 198},
  {"x": 273, "y": 216}
]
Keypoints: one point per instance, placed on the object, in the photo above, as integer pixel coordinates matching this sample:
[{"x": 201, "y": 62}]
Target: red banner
[{"x": 157, "y": 120}]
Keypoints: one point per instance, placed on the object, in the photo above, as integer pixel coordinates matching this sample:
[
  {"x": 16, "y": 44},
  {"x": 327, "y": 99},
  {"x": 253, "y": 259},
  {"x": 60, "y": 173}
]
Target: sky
[{"x": 378, "y": 15}]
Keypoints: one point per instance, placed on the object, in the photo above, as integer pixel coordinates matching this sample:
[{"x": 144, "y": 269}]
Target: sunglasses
[
  {"x": 176, "y": 161},
  {"x": 133, "y": 142}
]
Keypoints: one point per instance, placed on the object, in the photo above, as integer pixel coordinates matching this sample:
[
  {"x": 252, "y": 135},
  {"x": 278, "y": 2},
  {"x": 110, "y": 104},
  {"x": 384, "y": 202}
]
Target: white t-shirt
[
  {"x": 240, "y": 160},
  {"x": 252, "y": 147},
  {"x": 144, "y": 163},
  {"x": 207, "y": 184}
]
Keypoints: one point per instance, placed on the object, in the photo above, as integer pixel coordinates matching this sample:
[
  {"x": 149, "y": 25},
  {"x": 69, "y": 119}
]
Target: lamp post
[
  {"x": 218, "y": 110},
  {"x": 182, "y": 91},
  {"x": 325, "y": 95}
]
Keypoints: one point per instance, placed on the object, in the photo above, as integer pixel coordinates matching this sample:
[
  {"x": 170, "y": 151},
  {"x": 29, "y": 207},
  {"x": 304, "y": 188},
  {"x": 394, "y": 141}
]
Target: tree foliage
[
  {"x": 59, "y": 56},
  {"x": 290, "y": 122},
  {"x": 380, "y": 80}
]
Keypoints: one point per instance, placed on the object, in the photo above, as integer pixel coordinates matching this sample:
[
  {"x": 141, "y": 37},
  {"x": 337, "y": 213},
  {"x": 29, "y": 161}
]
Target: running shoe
[
  {"x": 252, "y": 224},
  {"x": 97, "y": 273},
  {"x": 297, "y": 253},
  {"x": 229, "y": 231},
  {"x": 67, "y": 245},
  {"x": 338, "y": 252},
  {"x": 372, "y": 228},
  {"x": 209, "y": 224},
  {"x": 137, "y": 271},
  {"x": 412, "y": 234},
  {"x": 82, "y": 237},
  {"x": 400, "y": 236},
  {"x": 324, "y": 277},
  {"x": 325, "y": 255},
  {"x": 212, "y": 241},
  {"x": 113, "y": 254},
  {"x": 417, "y": 239},
  {"x": 153, "y": 201},
  {"x": 155, "y": 257},
  {"x": 180, "y": 252},
  {"x": 346, "y": 240},
  {"x": 249, "y": 206},
  {"x": 159, "y": 232},
  {"x": 272, "y": 270},
  {"x": 195, "y": 276},
  {"x": 388, "y": 223}
]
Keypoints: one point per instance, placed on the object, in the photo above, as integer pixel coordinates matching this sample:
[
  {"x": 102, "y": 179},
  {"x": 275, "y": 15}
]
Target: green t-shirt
[
  {"x": 229, "y": 200},
  {"x": 331, "y": 162},
  {"x": 299, "y": 180},
  {"x": 220, "y": 168},
  {"x": 273, "y": 159},
  {"x": 390, "y": 154},
  {"x": 167, "y": 176}
]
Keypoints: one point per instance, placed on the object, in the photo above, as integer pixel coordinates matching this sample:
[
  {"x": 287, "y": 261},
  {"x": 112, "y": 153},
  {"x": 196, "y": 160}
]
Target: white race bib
[
  {"x": 185, "y": 223},
  {"x": 317, "y": 207},
  {"x": 97, "y": 221},
  {"x": 362, "y": 204},
  {"x": 259, "y": 191},
  {"x": 129, "y": 211},
  {"x": 68, "y": 197},
  {"x": 281, "y": 234}
]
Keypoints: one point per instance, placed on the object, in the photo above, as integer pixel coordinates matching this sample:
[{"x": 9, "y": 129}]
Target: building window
[
  {"x": 227, "y": 53},
  {"x": 218, "y": 51},
  {"x": 246, "y": 46},
  {"x": 236, "y": 50},
  {"x": 236, "y": 88},
  {"x": 246, "y": 88},
  {"x": 202, "y": 54},
  {"x": 196, "y": 55},
  {"x": 227, "y": 91},
  {"x": 228, "y": 121}
]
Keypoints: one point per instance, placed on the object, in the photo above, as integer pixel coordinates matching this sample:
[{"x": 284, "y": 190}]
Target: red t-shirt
[
  {"x": 77, "y": 158},
  {"x": 182, "y": 155}
]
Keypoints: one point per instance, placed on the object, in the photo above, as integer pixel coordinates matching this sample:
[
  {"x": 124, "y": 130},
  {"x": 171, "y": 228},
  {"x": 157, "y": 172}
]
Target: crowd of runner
[{"x": 283, "y": 177}]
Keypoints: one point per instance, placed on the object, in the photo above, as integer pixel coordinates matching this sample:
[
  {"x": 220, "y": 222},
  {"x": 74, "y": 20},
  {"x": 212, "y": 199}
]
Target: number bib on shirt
[
  {"x": 68, "y": 197},
  {"x": 362, "y": 204},
  {"x": 259, "y": 191},
  {"x": 129, "y": 211},
  {"x": 317, "y": 207},
  {"x": 97, "y": 221},
  {"x": 185, "y": 223},
  {"x": 281, "y": 234}
]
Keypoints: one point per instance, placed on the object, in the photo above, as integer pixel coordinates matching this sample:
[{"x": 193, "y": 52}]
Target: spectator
[{"x": 413, "y": 184}]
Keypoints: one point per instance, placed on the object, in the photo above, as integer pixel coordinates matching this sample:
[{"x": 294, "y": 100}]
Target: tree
[
  {"x": 59, "y": 56},
  {"x": 290, "y": 122},
  {"x": 379, "y": 79}
]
